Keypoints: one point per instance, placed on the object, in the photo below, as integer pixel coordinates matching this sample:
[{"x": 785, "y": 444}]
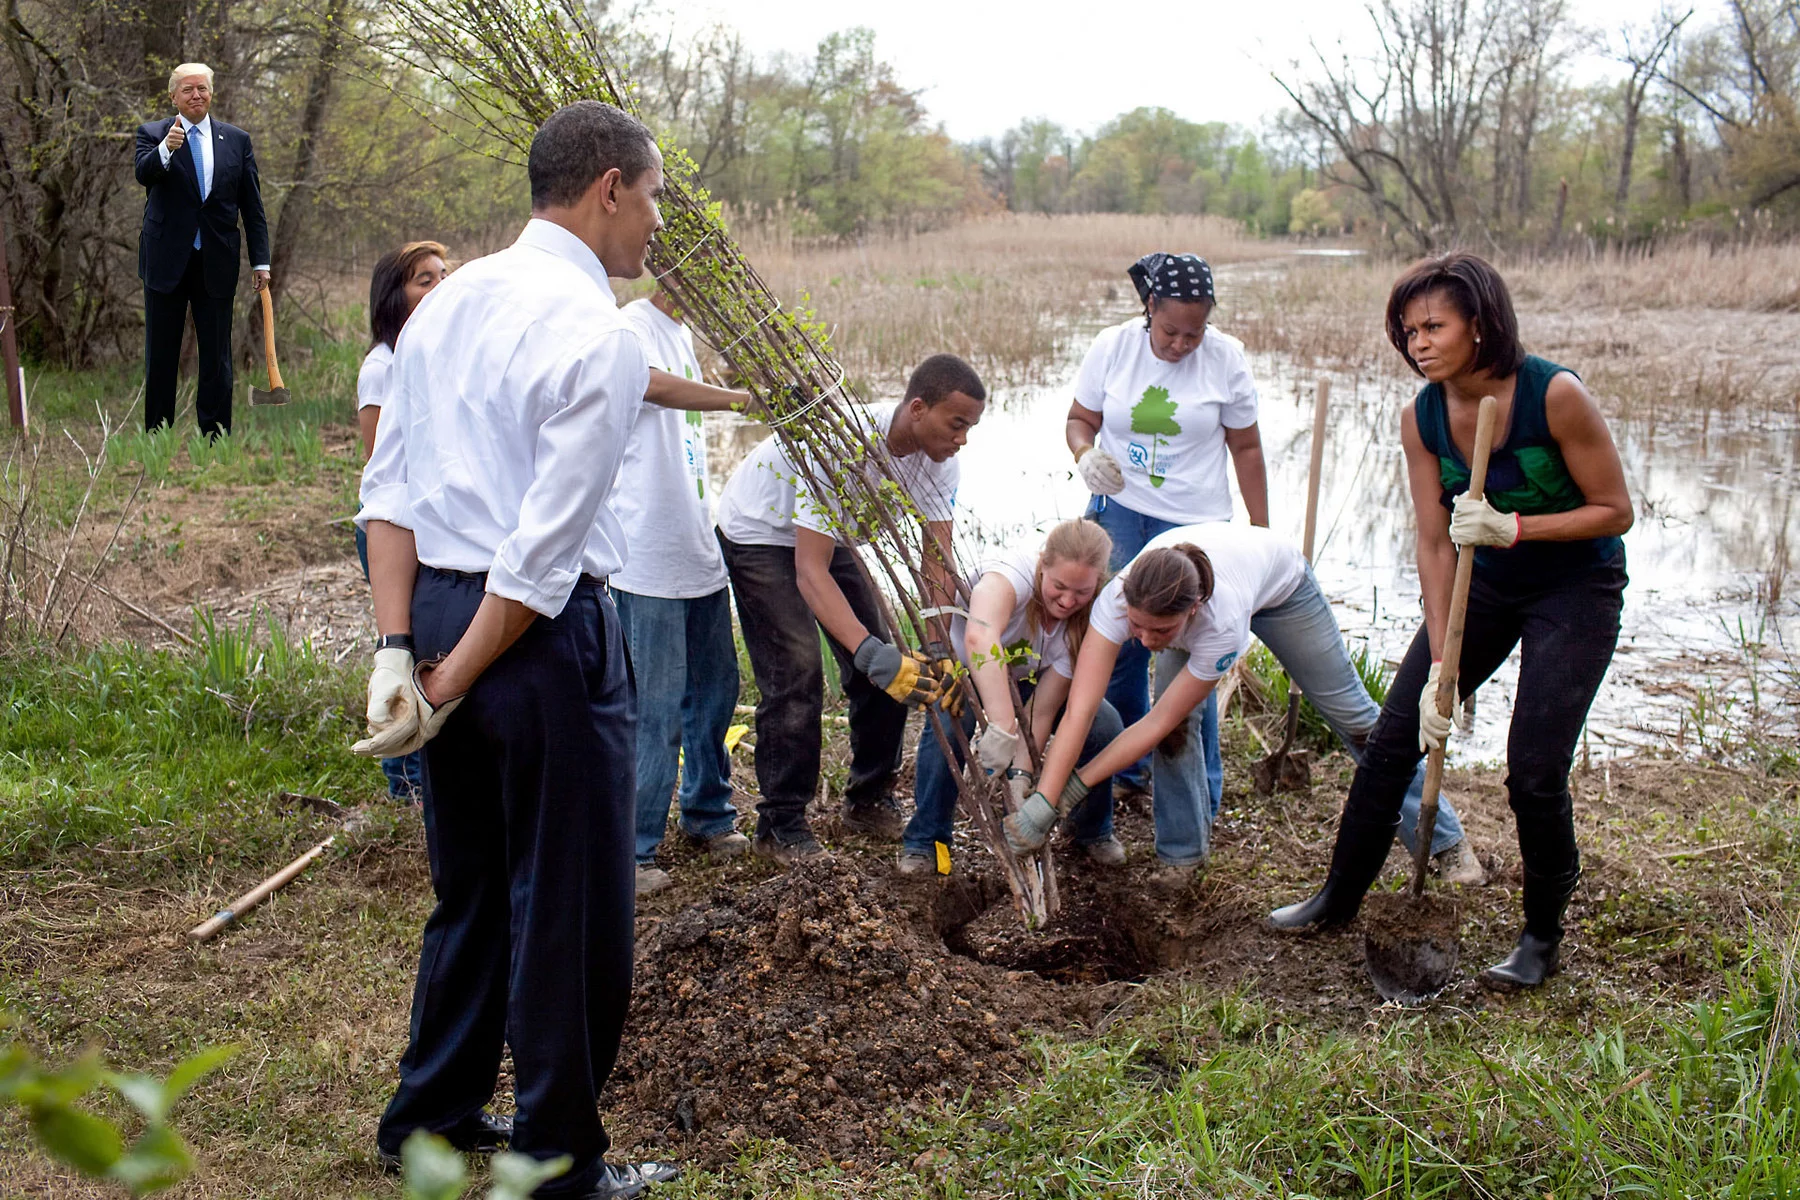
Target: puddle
[{"x": 1702, "y": 651}]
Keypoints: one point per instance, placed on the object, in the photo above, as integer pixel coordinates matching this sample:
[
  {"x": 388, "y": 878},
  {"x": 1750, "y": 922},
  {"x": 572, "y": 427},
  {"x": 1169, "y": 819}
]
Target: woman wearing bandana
[{"x": 1161, "y": 403}]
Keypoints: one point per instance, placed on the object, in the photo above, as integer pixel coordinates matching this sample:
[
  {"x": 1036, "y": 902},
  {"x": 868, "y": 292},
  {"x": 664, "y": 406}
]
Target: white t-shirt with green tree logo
[{"x": 1165, "y": 422}]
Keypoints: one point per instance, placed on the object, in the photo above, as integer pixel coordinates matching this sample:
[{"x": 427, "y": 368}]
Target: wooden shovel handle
[
  {"x": 1321, "y": 400},
  {"x": 268, "y": 307},
  {"x": 1453, "y": 639},
  {"x": 256, "y": 895}
]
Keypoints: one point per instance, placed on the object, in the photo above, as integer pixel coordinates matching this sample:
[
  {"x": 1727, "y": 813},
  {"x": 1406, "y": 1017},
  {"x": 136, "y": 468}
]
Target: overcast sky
[{"x": 984, "y": 65}]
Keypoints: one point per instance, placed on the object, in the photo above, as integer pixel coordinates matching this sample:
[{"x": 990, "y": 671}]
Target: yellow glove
[
  {"x": 906, "y": 677},
  {"x": 943, "y": 667}
]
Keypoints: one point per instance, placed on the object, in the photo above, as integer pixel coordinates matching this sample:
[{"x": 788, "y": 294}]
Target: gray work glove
[{"x": 1028, "y": 829}]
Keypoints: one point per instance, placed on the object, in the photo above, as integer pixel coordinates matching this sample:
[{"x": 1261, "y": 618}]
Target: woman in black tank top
[{"x": 1549, "y": 578}]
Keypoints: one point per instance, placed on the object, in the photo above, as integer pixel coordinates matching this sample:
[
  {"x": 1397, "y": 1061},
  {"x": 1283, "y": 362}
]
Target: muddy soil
[{"x": 809, "y": 1005}]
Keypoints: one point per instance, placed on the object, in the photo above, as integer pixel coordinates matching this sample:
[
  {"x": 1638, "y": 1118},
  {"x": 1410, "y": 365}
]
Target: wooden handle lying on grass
[
  {"x": 206, "y": 930},
  {"x": 1453, "y": 639}
]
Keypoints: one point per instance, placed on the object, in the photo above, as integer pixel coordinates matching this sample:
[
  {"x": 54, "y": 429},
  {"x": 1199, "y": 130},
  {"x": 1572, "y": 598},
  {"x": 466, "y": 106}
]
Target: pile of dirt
[{"x": 809, "y": 1006}]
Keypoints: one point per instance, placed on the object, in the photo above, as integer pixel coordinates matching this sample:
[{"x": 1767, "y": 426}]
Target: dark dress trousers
[{"x": 178, "y": 277}]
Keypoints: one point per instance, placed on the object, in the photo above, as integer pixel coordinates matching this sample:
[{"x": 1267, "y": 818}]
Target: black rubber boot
[
  {"x": 1536, "y": 957},
  {"x": 1356, "y": 862}
]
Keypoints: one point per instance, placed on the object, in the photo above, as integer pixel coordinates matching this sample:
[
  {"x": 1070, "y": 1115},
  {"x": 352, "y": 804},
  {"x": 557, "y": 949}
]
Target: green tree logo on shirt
[{"x": 1155, "y": 415}]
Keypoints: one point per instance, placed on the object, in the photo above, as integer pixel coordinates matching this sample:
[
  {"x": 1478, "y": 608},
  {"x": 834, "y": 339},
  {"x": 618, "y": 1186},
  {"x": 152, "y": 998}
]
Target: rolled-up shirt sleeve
[
  {"x": 601, "y": 391},
  {"x": 383, "y": 493}
]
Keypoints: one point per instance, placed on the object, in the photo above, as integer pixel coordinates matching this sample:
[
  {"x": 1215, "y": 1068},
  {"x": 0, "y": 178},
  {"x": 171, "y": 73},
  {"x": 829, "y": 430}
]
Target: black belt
[{"x": 586, "y": 580}]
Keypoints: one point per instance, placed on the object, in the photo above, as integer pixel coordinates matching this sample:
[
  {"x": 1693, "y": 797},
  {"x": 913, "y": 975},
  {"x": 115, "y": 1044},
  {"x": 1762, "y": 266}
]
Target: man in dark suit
[{"x": 199, "y": 175}]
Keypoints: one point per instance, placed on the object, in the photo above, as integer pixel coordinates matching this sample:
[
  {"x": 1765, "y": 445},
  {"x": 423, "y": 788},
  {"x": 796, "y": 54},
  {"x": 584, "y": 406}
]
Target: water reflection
[{"x": 1708, "y": 557}]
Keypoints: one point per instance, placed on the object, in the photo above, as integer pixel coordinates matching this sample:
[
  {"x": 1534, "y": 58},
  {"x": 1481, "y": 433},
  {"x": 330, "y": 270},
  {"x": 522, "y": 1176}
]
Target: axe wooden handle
[
  {"x": 256, "y": 895},
  {"x": 268, "y": 306}
]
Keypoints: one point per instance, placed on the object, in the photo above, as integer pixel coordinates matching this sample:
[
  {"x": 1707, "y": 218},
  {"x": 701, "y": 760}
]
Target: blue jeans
[
  {"x": 406, "y": 774},
  {"x": 1304, "y": 637},
  {"x": 1129, "y": 690},
  {"x": 934, "y": 783},
  {"x": 687, "y": 683}
]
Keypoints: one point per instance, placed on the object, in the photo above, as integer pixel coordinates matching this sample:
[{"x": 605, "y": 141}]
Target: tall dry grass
[
  {"x": 1683, "y": 330},
  {"x": 1005, "y": 292}
]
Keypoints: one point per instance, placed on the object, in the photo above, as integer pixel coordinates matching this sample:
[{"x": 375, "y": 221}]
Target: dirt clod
[{"x": 808, "y": 1006}]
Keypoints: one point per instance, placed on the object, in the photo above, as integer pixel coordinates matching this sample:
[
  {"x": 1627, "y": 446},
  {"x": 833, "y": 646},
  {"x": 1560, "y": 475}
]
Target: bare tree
[
  {"x": 1402, "y": 123},
  {"x": 1643, "y": 51}
]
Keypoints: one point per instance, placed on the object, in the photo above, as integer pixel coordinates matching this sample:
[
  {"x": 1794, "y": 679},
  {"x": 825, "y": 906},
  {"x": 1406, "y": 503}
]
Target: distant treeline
[{"x": 1468, "y": 124}]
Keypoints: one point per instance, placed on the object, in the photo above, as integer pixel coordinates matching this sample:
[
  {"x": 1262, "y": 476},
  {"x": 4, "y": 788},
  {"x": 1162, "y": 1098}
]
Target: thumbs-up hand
[{"x": 177, "y": 137}]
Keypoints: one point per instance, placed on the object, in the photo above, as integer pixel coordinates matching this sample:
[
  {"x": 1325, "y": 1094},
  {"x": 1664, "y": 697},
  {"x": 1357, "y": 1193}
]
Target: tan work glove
[
  {"x": 1434, "y": 726},
  {"x": 393, "y": 716},
  {"x": 995, "y": 749},
  {"x": 905, "y": 677},
  {"x": 1101, "y": 472},
  {"x": 1475, "y": 522}
]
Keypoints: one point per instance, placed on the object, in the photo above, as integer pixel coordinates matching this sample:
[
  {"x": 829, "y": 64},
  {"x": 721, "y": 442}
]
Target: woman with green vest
[{"x": 1549, "y": 579}]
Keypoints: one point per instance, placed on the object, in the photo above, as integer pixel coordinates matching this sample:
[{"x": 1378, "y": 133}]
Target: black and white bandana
[{"x": 1172, "y": 277}]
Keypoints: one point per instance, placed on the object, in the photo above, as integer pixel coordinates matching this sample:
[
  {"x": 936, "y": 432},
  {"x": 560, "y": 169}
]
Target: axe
[{"x": 277, "y": 393}]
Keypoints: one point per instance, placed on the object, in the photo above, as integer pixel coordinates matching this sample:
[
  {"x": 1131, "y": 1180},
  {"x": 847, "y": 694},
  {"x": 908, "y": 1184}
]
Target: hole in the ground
[{"x": 976, "y": 919}]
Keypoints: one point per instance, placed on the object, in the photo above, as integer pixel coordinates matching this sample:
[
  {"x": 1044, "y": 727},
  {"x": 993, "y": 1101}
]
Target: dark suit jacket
[{"x": 172, "y": 209}]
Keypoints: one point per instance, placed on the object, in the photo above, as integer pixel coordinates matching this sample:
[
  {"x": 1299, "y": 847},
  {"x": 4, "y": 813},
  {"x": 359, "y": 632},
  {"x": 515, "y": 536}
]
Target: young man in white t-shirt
[
  {"x": 675, "y": 610},
  {"x": 794, "y": 572}
]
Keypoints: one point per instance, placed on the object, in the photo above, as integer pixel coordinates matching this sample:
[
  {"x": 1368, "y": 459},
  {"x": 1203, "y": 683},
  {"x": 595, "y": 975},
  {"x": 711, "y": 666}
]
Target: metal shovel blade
[
  {"x": 272, "y": 396},
  {"x": 1410, "y": 946}
]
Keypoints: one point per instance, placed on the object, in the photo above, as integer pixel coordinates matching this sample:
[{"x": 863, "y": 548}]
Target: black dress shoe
[
  {"x": 616, "y": 1183},
  {"x": 1532, "y": 961},
  {"x": 657, "y": 1172},
  {"x": 484, "y": 1133}
]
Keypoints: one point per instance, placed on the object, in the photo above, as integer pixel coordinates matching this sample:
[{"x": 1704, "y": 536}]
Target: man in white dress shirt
[{"x": 514, "y": 386}]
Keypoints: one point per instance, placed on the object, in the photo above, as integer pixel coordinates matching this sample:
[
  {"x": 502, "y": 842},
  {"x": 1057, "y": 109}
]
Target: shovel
[
  {"x": 1287, "y": 770},
  {"x": 1409, "y": 943},
  {"x": 277, "y": 393}
]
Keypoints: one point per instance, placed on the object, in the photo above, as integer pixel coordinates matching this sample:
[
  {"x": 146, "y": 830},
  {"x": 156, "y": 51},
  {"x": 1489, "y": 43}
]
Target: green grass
[
  {"x": 183, "y": 754},
  {"x": 1214, "y": 1096},
  {"x": 1272, "y": 682}
]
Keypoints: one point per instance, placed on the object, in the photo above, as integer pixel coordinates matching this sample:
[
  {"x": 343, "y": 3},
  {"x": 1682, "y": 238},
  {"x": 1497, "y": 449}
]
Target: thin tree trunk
[{"x": 300, "y": 196}]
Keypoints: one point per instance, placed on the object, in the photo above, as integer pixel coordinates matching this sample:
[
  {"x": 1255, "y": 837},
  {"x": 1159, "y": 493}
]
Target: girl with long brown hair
[{"x": 1028, "y": 616}]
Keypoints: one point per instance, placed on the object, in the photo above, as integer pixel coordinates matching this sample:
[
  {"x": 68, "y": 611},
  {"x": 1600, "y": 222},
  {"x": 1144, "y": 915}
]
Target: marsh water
[{"x": 1703, "y": 658}]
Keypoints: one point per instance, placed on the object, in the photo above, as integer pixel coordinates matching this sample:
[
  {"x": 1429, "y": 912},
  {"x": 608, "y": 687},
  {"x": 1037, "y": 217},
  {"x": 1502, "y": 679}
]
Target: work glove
[
  {"x": 943, "y": 667},
  {"x": 413, "y": 733},
  {"x": 1028, "y": 829},
  {"x": 995, "y": 749},
  {"x": 905, "y": 677},
  {"x": 1020, "y": 783},
  {"x": 1434, "y": 726},
  {"x": 393, "y": 716},
  {"x": 1475, "y": 522},
  {"x": 1100, "y": 471}
]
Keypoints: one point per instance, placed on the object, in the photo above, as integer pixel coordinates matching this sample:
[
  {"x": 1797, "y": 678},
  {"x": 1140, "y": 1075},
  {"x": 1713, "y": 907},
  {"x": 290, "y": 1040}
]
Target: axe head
[{"x": 272, "y": 396}]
